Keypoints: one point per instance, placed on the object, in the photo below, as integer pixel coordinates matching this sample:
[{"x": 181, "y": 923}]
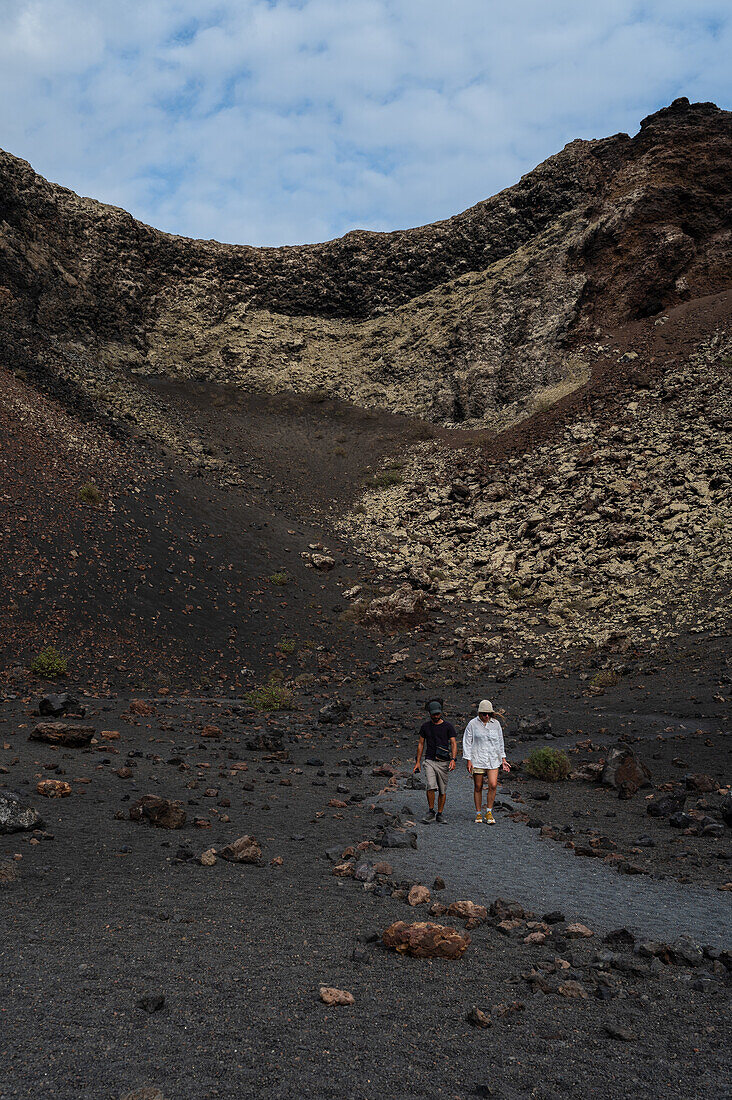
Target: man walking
[{"x": 438, "y": 742}]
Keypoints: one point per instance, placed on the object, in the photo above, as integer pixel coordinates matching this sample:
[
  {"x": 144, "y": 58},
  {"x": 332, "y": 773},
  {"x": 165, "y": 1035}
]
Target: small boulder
[
  {"x": 163, "y": 813},
  {"x": 572, "y": 989},
  {"x": 61, "y": 733},
  {"x": 419, "y": 895},
  {"x": 467, "y": 910},
  {"x": 334, "y": 712},
  {"x": 331, "y": 996},
  {"x": 16, "y": 816},
  {"x": 535, "y": 725},
  {"x": 578, "y": 932},
  {"x": 667, "y": 805},
  {"x": 535, "y": 938},
  {"x": 140, "y": 708},
  {"x": 210, "y": 731},
  {"x": 394, "y": 838},
  {"x": 425, "y": 940},
  {"x": 54, "y": 788},
  {"x": 264, "y": 742},
  {"x": 726, "y": 809},
  {"x": 402, "y": 609},
  {"x": 477, "y": 1018},
  {"x": 53, "y": 706},
  {"x": 705, "y": 784},
  {"x": 625, "y": 772},
  {"x": 244, "y": 850},
  {"x": 507, "y": 910}
]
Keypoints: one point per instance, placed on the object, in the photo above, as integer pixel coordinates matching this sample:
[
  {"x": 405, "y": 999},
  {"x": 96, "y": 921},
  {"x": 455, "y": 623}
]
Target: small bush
[
  {"x": 90, "y": 494},
  {"x": 278, "y": 578},
  {"x": 384, "y": 478},
  {"x": 604, "y": 679},
  {"x": 551, "y": 764},
  {"x": 49, "y": 663},
  {"x": 270, "y": 696},
  {"x": 286, "y": 645}
]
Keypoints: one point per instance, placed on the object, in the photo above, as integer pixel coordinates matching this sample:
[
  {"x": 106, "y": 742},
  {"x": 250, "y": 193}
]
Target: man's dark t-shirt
[{"x": 435, "y": 735}]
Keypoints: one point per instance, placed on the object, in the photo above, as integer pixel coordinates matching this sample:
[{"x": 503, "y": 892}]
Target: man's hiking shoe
[
  {"x": 479, "y": 819},
  {"x": 440, "y": 819},
  {"x": 430, "y": 817},
  {"x": 489, "y": 818}
]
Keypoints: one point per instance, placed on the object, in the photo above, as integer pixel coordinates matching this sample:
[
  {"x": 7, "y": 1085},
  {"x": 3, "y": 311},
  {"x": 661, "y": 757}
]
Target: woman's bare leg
[
  {"x": 492, "y": 784},
  {"x": 478, "y": 791}
]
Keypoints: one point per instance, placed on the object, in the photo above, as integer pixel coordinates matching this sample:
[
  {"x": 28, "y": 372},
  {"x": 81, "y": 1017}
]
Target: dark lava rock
[
  {"x": 507, "y": 910},
  {"x": 336, "y": 711},
  {"x": 726, "y": 809},
  {"x": 687, "y": 952},
  {"x": 395, "y": 839},
  {"x": 705, "y": 784},
  {"x": 16, "y": 815},
  {"x": 54, "y": 706},
  {"x": 555, "y": 917},
  {"x": 622, "y": 1034},
  {"x": 151, "y": 1002},
  {"x": 535, "y": 725},
  {"x": 264, "y": 742},
  {"x": 314, "y": 762},
  {"x": 666, "y": 805},
  {"x": 619, "y": 937},
  {"x": 477, "y": 1018},
  {"x": 164, "y": 813},
  {"x": 681, "y": 820},
  {"x": 625, "y": 772},
  {"x": 61, "y": 733}
]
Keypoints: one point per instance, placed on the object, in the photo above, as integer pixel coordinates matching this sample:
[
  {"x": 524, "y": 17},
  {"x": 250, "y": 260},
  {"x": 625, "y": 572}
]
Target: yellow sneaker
[
  {"x": 478, "y": 819},
  {"x": 489, "y": 818}
]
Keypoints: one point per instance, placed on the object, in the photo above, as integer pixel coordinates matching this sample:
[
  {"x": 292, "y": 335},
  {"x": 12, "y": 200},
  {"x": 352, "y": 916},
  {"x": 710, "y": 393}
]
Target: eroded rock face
[{"x": 425, "y": 940}]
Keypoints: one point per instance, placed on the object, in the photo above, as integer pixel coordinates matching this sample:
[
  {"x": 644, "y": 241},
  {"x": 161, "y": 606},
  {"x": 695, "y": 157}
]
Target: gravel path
[{"x": 483, "y": 862}]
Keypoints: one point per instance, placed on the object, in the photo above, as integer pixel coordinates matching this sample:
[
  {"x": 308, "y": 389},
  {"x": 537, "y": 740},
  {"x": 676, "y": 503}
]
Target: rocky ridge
[{"x": 468, "y": 321}]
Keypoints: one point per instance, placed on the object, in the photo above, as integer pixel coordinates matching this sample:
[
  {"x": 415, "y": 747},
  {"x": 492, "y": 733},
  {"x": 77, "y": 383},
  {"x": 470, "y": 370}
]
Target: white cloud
[{"x": 280, "y": 121}]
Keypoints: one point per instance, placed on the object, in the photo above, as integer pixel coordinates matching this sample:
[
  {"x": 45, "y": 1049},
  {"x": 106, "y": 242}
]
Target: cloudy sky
[{"x": 285, "y": 121}]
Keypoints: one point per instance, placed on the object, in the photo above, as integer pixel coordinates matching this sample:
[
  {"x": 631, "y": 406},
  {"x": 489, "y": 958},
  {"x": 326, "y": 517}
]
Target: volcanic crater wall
[{"x": 466, "y": 320}]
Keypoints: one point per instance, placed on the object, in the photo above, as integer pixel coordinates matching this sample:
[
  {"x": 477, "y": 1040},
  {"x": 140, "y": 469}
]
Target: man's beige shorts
[{"x": 435, "y": 774}]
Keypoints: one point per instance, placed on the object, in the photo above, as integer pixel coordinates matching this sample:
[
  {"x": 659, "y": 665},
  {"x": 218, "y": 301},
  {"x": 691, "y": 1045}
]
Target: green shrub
[
  {"x": 270, "y": 696},
  {"x": 286, "y": 645},
  {"x": 604, "y": 679},
  {"x": 551, "y": 764},
  {"x": 278, "y": 578},
  {"x": 90, "y": 494},
  {"x": 384, "y": 478},
  {"x": 49, "y": 663}
]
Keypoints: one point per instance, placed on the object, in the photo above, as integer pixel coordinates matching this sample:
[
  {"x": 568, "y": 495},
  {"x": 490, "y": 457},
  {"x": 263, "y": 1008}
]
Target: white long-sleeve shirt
[{"x": 483, "y": 743}]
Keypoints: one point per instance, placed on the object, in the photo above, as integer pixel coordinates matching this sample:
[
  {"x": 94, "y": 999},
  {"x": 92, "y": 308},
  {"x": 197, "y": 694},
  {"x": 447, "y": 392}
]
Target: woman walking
[{"x": 484, "y": 754}]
